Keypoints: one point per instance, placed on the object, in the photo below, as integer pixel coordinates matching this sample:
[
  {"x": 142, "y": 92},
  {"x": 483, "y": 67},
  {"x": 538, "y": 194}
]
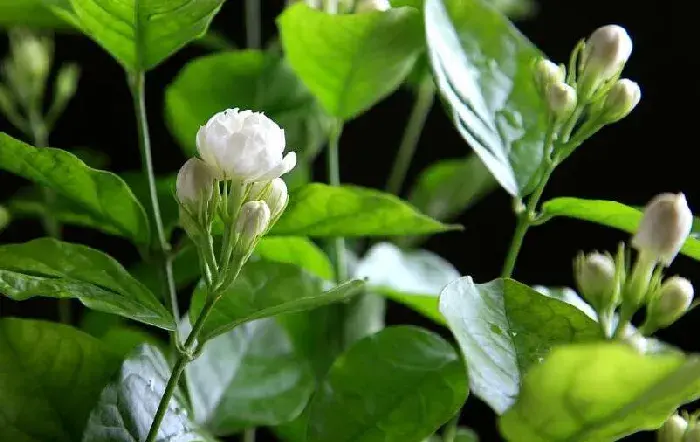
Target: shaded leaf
[
  {"x": 31, "y": 13},
  {"x": 504, "y": 328},
  {"x": 48, "y": 267},
  {"x": 600, "y": 392},
  {"x": 115, "y": 332}
]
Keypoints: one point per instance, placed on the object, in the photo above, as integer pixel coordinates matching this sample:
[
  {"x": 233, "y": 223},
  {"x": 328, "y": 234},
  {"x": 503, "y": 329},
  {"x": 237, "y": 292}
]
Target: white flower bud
[
  {"x": 4, "y": 218},
  {"x": 195, "y": 183},
  {"x": 606, "y": 52},
  {"x": 665, "y": 225},
  {"x": 245, "y": 146},
  {"x": 595, "y": 277},
  {"x": 622, "y": 98},
  {"x": 561, "y": 99},
  {"x": 253, "y": 220},
  {"x": 547, "y": 72},
  {"x": 32, "y": 54},
  {"x": 372, "y": 5},
  {"x": 274, "y": 193},
  {"x": 673, "y": 429},
  {"x": 671, "y": 301}
]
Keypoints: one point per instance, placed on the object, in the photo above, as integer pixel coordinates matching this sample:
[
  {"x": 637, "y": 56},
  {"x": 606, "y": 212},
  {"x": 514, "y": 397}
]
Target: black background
[{"x": 649, "y": 152}]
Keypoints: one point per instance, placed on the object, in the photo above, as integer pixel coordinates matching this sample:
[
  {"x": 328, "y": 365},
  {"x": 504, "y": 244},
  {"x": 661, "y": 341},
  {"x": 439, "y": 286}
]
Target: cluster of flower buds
[
  {"x": 680, "y": 428},
  {"x": 352, "y": 6},
  {"x": 591, "y": 89},
  {"x": 603, "y": 281},
  {"x": 237, "y": 180}
]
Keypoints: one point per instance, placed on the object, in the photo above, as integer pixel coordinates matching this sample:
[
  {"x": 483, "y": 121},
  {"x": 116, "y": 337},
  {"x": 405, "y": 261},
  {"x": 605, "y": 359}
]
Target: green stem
[
  {"x": 419, "y": 113},
  {"x": 249, "y": 435},
  {"x": 137, "y": 85},
  {"x": 450, "y": 431},
  {"x": 252, "y": 24},
  {"x": 338, "y": 245}
]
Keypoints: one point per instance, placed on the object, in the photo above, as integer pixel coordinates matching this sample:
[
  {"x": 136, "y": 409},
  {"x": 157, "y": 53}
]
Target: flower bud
[
  {"x": 672, "y": 430},
  {"x": 561, "y": 99},
  {"x": 253, "y": 220},
  {"x": 245, "y": 146},
  {"x": 622, "y": 98},
  {"x": 4, "y": 218},
  {"x": 372, "y": 5},
  {"x": 547, "y": 72},
  {"x": 664, "y": 227},
  {"x": 605, "y": 54},
  {"x": 195, "y": 183},
  {"x": 595, "y": 277},
  {"x": 274, "y": 193},
  {"x": 67, "y": 82},
  {"x": 670, "y": 302}
]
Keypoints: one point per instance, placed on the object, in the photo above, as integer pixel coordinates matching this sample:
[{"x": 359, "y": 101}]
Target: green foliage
[
  {"x": 483, "y": 68},
  {"x": 51, "y": 376},
  {"x": 105, "y": 200},
  {"x": 350, "y": 62},
  {"x": 504, "y": 328},
  {"x": 32, "y": 13},
  {"x": 600, "y": 392},
  {"x": 47, "y": 267}
]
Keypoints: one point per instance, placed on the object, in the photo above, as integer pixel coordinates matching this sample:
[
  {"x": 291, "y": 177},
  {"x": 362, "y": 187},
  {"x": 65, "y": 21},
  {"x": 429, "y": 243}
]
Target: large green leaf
[
  {"x": 139, "y": 34},
  {"x": 118, "y": 334},
  {"x": 449, "y": 187},
  {"x": 47, "y": 267},
  {"x": 265, "y": 289},
  {"x": 350, "y": 61},
  {"x": 128, "y": 404},
  {"x": 400, "y": 384},
  {"x": 608, "y": 213},
  {"x": 414, "y": 278},
  {"x": 321, "y": 210},
  {"x": 32, "y": 13},
  {"x": 50, "y": 377},
  {"x": 296, "y": 250},
  {"x": 600, "y": 392},
  {"x": 256, "y": 80},
  {"x": 483, "y": 68},
  {"x": 250, "y": 376},
  {"x": 504, "y": 328},
  {"x": 103, "y": 196}
]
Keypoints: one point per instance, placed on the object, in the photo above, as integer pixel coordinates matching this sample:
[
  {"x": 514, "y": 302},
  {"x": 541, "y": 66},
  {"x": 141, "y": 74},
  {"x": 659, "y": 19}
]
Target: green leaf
[
  {"x": 504, "y": 328},
  {"x": 400, "y": 384},
  {"x": 483, "y": 68},
  {"x": 256, "y": 80},
  {"x": 608, "y": 213},
  {"x": 128, "y": 404},
  {"x": 165, "y": 189},
  {"x": 248, "y": 377},
  {"x": 140, "y": 34},
  {"x": 296, "y": 250},
  {"x": 47, "y": 267},
  {"x": 600, "y": 392},
  {"x": 350, "y": 61},
  {"x": 103, "y": 196},
  {"x": 449, "y": 187},
  {"x": 115, "y": 332},
  {"x": 466, "y": 435},
  {"x": 265, "y": 289},
  {"x": 413, "y": 278},
  {"x": 322, "y": 210},
  {"x": 50, "y": 377},
  {"x": 31, "y": 13}
]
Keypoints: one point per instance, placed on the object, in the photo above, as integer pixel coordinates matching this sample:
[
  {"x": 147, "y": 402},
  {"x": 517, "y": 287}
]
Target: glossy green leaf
[
  {"x": 322, "y": 210},
  {"x": 483, "y": 68},
  {"x": 600, "y": 392},
  {"x": 256, "y": 80},
  {"x": 608, "y": 213},
  {"x": 248, "y": 377},
  {"x": 48, "y": 267},
  {"x": 265, "y": 289},
  {"x": 140, "y": 35},
  {"x": 30, "y": 13},
  {"x": 128, "y": 404},
  {"x": 296, "y": 250},
  {"x": 50, "y": 377},
  {"x": 504, "y": 328},
  {"x": 101, "y": 195},
  {"x": 350, "y": 61},
  {"x": 414, "y": 278},
  {"x": 400, "y": 384},
  {"x": 449, "y": 187}
]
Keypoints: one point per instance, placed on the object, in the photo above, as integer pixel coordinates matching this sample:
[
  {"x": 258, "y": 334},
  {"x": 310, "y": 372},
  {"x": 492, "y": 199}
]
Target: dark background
[{"x": 649, "y": 152}]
